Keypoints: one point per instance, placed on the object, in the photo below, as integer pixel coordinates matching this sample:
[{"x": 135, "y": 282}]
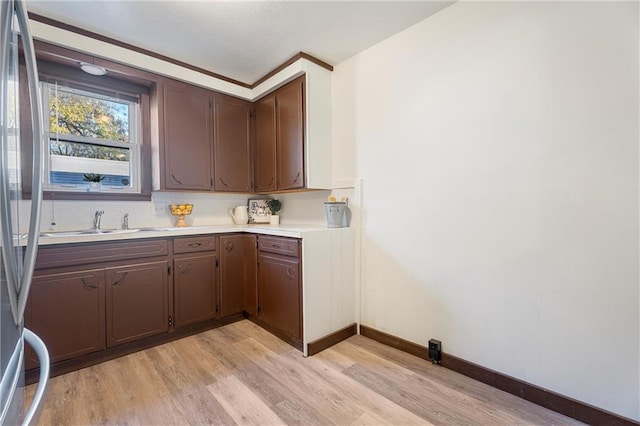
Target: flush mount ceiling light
[{"x": 92, "y": 69}]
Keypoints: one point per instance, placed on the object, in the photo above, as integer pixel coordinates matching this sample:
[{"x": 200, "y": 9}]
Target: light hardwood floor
[{"x": 241, "y": 374}]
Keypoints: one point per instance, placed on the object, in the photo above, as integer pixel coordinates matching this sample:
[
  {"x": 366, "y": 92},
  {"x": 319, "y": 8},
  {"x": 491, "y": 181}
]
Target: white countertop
[{"x": 293, "y": 230}]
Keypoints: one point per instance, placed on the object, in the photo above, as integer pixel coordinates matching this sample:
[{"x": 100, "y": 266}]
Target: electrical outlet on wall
[
  {"x": 159, "y": 209},
  {"x": 435, "y": 351}
]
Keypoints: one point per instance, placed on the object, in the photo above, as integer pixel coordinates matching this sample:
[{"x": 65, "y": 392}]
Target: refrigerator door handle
[
  {"x": 9, "y": 258},
  {"x": 43, "y": 358},
  {"x": 11, "y": 379},
  {"x": 38, "y": 162}
]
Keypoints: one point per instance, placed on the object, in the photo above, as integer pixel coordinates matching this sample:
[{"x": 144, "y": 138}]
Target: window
[{"x": 92, "y": 133}]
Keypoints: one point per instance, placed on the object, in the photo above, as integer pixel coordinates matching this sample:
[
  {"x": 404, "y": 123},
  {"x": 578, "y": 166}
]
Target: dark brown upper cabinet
[
  {"x": 232, "y": 144},
  {"x": 266, "y": 144},
  {"x": 290, "y": 131},
  {"x": 188, "y": 131},
  {"x": 280, "y": 139},
  {"x": 206, "y": 140}
]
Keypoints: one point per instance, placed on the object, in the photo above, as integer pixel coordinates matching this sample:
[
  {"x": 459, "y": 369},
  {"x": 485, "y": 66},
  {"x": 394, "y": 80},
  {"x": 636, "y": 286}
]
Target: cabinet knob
[
  {"x": 228, "y": 246},
  {"x": 185, "y": 269},
  {"x": 290, "y": 273},
  {"x": 86, "y": 284},
  {"x": 121, "y": 280}
]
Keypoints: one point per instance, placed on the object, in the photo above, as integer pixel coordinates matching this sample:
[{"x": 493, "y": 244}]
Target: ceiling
[{"x": 242, "y": 40}]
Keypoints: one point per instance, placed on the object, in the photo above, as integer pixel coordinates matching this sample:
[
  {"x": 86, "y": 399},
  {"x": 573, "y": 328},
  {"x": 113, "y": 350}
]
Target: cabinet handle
[
  {"x": 121, "y": 280},
  {"x": 186, "y": 269},
  {"x": 176, "y": 179},
  {"x": 194, "y": 244},
  {"x": 223, "y": 182},
  {"x": 297, "y": 179},
  {"x": 275, "y": 246},
  {"x": 270, "y": 182},
  {"x": 88, "y": 286},
  {"x": 228, "y": 246},
  {"x": 290, "y": 273}
]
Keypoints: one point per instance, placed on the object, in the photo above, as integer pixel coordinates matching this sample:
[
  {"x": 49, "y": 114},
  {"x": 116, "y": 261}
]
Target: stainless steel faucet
[
  {"x": 96, "y": 219},
  {"x": 125, "y": 221}
]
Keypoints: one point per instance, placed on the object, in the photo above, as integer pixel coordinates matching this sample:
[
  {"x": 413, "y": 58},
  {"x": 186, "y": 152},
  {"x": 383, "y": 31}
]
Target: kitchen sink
[{"x": 87, "y": 232}]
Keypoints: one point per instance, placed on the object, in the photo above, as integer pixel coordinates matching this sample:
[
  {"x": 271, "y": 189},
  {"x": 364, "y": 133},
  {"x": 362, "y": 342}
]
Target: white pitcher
[{"x": 239, "y": 215}]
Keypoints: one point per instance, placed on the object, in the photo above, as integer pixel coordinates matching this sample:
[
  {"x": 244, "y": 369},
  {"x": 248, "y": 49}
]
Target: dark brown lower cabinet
[
  {"x": 231, "y": 274},
  {"x": 279, "y": 293},
  {"x": 67, "y": 311},
  {"x": 195, "y": 297},
  {"x": 250, "y": 275},
  {"x": 83, "y": 305},
  {"x": 137, "y": 301}
]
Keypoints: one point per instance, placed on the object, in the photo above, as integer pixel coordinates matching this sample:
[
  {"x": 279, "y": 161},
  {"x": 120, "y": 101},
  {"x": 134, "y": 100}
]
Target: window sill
[{"x": 92, "y": 196}]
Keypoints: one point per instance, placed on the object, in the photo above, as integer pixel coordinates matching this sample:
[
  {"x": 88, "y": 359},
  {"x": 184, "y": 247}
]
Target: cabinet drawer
[
  {"x": 82, "y": 254},
  {"x": 193, "y": 244},
  {"x": 279, "y": 245}
]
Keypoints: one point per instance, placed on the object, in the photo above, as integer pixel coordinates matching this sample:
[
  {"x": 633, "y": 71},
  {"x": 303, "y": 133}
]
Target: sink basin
[{"x": 88, "y": 232}]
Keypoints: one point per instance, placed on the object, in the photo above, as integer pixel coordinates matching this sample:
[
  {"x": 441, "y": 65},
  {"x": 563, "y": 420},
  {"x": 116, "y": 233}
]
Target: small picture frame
[{"x": 259, "y": 211}]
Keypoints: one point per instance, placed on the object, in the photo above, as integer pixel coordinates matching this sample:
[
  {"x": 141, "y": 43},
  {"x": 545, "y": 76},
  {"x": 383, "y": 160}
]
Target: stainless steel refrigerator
[{"x": 18, "y": 240}]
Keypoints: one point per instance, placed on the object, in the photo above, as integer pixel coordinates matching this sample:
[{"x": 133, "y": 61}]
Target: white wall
[{"x": 498, "y": 146}]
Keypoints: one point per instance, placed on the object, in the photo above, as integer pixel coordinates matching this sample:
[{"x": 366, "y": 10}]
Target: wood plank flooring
[{"x": 241, "y": 374}]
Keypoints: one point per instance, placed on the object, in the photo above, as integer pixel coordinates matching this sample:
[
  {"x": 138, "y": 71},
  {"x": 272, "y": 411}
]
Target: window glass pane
[
  {"x": 69, "y": 161},
  {"x": 13, "y": 132},
  {"x": 88, "y": 150},
  {"x": 75, "y": 112}
]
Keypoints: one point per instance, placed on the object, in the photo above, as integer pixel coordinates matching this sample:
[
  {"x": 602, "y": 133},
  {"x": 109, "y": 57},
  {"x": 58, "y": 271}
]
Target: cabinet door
[
  {"x": 290, "y": 135},
  {"x": 195, "y": 291},
  {"x": 279, "y": 293},
  {"x": 137, "y": 302},
  {"x": 231, "y": 275},
  {"x": 265, "y": 166},
  {"x": 67, "y": 311},
  {"x": 232, "y": 144},
  {"x": 250, "y": 276},
  {"x": 187, "y": 137}
]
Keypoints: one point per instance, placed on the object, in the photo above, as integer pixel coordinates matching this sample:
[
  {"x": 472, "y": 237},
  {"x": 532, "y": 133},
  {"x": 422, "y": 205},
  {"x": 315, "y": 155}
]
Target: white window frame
[{"x": 135, "y": 138}]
